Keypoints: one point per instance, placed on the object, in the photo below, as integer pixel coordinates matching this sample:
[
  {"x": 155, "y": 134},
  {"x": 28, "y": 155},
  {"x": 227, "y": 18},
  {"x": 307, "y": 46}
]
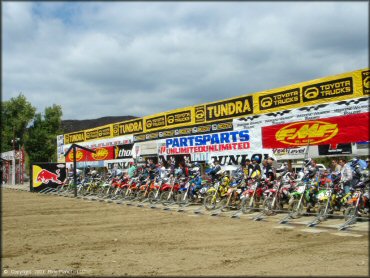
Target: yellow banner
[
  {"x": 323, "y": 90},
  {"x": 170, "y": 119}
]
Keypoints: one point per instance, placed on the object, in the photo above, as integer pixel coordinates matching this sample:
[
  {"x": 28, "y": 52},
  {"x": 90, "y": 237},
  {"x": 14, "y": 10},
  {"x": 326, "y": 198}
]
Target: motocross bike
[
  {"x": 154, "y": 195},
  {"x": 233, "y": 200},
  {"x": 215, "y": 195},
  {"x": 300, "y": 198},
  {"x": 358, "y": 204},
  {"x": 253, "y": 196},
  {"x": 276, "y": 197},
  {"x": 170, "y": 191},
  {"x": 129, "y": 190}
]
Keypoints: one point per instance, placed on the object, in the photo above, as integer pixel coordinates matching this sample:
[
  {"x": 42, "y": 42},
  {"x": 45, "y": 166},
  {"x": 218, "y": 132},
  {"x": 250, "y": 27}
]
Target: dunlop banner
[{"x": 128, "y": 127}]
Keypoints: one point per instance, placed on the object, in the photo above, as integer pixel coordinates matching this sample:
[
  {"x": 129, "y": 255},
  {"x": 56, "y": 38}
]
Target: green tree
[
  {"x": 16, "y": 114},
  {"x": 40, "y": 142}
]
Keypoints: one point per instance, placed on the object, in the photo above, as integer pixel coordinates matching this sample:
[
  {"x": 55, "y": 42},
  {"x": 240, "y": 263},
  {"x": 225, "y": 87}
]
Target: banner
[
  {"x": 104, "y": 153},
  {"x": 191, "y": 130},
  {"x": 128, "y": 127},
  {"x": 334, "y": 130},
  {"x": 47, "y": 175},
  {"x": 321, "y": 91},
  {"x": 224, "y": 142},
  {"x": 335, "y": 149},
  {"x": 123, "y": 151}
]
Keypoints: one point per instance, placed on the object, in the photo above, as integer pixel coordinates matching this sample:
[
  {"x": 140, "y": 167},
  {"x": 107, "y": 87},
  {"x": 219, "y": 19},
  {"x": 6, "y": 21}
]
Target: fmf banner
[
  {"x": 45, "y": 175},
  {"x": 334, "y": 130},
  {"x": 103, "y": 153}
]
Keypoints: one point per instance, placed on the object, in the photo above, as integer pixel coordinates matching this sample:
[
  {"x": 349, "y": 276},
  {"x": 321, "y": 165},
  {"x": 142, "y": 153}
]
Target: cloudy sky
[{"x": 140, "y": 58}]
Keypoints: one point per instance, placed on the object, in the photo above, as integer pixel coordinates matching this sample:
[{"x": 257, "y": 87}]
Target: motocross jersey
[{"x": 224, "y": 186}]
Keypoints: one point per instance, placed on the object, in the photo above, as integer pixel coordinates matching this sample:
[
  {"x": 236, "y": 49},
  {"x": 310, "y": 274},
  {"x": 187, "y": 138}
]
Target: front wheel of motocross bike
[
  {"x": 212, "y": 202},
  {"x": 152, "y": 197},
  {"x": 247, "y": 206},
  {"x": 267, "y": 207},
  {"x": 322, "y": 214},
  {"x": 224, "y": 205},
  {"x": 183, "y": 199},
  {"x": 349, "y": 213},
  {"x": 140, "y": 195},
  {"x": 296, "y": 211},
  {"x": 166, "y": 198}
]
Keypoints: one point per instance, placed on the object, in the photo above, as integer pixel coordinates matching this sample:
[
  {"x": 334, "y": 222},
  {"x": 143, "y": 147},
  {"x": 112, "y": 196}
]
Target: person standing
[
  {"x": 346, "y": 175},
  {"x": 335, "y": 166}
]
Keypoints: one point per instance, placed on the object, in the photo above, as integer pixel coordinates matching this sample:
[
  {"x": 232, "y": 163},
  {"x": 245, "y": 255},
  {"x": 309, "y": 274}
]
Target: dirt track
[{"x": 66, "y": 236}]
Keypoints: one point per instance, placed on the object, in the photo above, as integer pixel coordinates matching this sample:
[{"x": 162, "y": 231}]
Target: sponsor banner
[
  {"x": 128, "y": 127},
  {"x": 239, "y": 159},
  {"x": 74, "y": 137},
  {"x": 178, "y": 118},
  {"x": 334, "y": 130},
  {"x": 229, "y": 141},
  {"x": 123, "y": 151},
  {"x": 103, "y": 153},
  {"x": 122, "y": 164},
  {"x": 289, "y": 153},
  {"x": 315, "y": 112},
  {"x": 324, "y": 90},
  {"x": 155, "y": 122},
  {"x": 96, "y": 133},
  {"x": 93, "y": 164},
  {"x": 279, "y": 99},
  {"x": 366, "y": 82},
  {"x": 319, "y": 91},
  {"x": 229, "y": 108},
  {"x": 191, "y": 130},
  {"x": 335, "y": 149},
  {"x": 45, "y": 175}
]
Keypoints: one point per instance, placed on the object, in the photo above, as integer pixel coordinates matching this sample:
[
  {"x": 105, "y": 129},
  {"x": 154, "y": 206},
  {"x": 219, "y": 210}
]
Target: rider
[
  {"x": 256, "y": 168},
  {"x": 196, "y": 182},
  {"x": 215, "y": 169},
  {"x": 311, "y": 172}
]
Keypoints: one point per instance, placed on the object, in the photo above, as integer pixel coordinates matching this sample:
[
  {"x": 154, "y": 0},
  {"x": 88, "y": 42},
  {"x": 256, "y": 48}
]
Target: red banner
[
  {"x": 335, "y": 130},
  {"x": 104, "y": 153}
]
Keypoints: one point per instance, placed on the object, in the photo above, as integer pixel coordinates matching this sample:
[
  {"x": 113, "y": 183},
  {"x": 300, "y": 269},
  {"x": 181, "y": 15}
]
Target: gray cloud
[{"x": 109, "y": 59}]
